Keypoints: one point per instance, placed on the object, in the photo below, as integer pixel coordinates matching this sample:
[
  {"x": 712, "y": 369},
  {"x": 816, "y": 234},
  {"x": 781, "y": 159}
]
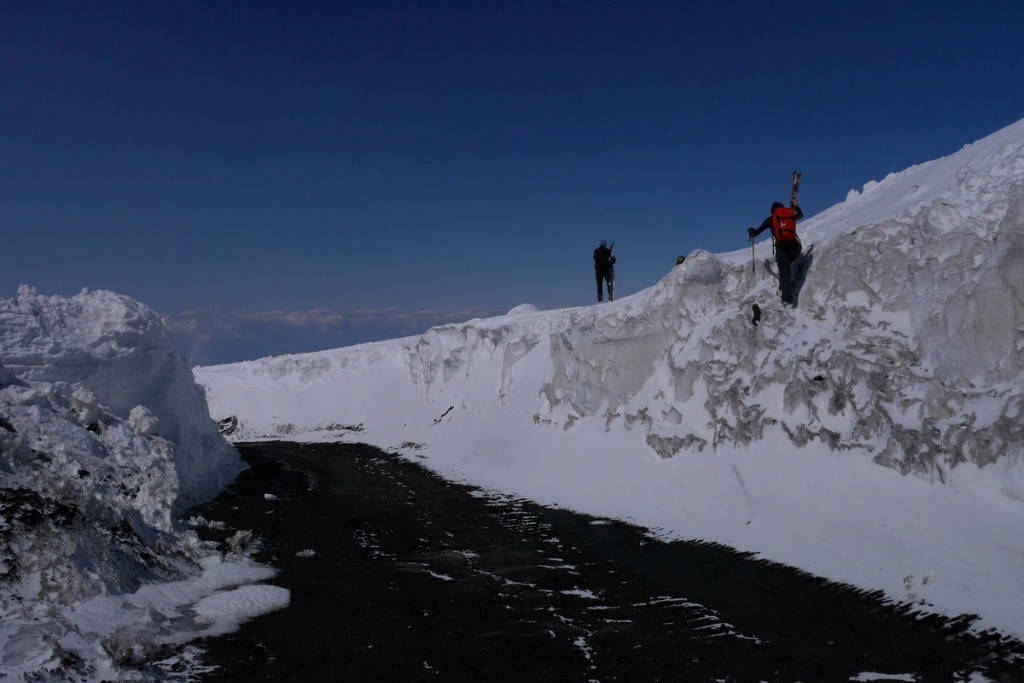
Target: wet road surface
[{"x": 396, "y": 574}]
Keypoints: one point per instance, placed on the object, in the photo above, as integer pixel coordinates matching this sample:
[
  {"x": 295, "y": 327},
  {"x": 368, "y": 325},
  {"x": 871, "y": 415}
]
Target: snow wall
[
  {"x": 908, "y": 343},
  {"x": 833, "y": 436}
]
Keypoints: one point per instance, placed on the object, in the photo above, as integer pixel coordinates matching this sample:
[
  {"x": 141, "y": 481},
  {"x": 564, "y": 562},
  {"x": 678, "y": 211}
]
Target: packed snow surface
[
  {"x": 105, "y": 440},
  {"x": 872, "y": 435}
]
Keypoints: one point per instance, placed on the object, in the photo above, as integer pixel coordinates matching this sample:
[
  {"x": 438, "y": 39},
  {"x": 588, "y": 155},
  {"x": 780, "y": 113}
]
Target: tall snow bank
[
  {"x": 671, "y": 409},
  {"x": 104, "y": 439}
]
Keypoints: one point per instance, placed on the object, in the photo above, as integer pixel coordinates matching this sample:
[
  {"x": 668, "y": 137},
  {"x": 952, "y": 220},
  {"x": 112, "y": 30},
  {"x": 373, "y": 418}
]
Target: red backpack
[{"x": 784, "y": 226}]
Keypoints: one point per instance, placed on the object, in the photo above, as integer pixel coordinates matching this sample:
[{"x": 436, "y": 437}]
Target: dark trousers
[
  {"x": 785, "y": 255},
  {"x": 609, "y": 277}
]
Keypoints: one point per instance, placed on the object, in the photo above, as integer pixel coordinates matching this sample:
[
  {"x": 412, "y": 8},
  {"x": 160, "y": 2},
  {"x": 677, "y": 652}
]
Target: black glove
[{"x": 751, "y": 232}]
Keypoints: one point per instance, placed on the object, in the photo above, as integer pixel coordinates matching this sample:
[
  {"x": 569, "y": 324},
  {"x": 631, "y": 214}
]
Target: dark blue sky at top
[{"x": 277, "y": 177}]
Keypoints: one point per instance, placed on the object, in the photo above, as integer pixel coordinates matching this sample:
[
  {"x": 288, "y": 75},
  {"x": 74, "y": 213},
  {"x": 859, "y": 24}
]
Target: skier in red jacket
[{"x": 782, "y": 221}]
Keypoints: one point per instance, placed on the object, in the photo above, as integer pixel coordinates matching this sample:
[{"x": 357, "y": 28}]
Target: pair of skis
[{"x": 793, "y": 199}]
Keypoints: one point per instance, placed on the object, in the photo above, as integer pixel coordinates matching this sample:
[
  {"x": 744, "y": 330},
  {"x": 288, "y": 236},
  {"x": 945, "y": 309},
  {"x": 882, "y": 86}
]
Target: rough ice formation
[
  {"x": 104, "y": 439},
  {"x": 119, "y": 354}
]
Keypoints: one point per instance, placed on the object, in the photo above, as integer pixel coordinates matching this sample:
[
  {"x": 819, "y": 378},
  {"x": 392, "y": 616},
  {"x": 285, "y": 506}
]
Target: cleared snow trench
[{"x": 871, "y": 436}]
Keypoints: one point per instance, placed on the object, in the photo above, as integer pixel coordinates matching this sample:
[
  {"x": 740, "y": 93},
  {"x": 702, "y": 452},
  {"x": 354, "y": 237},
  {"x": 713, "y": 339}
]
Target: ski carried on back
[{"x": 796, "y": 188}]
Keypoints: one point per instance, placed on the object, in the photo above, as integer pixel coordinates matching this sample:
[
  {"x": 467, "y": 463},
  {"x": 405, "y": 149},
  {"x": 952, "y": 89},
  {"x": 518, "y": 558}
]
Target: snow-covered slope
[
  {"x": 104, "y": 439},
  {"x": 872, "y": 435}
]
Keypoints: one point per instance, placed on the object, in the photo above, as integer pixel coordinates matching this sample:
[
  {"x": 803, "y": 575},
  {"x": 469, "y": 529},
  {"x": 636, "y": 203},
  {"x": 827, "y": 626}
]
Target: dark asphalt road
[{"x": 415, "y": 578}]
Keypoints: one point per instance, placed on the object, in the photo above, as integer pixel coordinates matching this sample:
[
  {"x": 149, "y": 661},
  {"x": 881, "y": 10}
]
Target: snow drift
[
  {"x": 873, "y": 434},
  {"x": 104, "y": 440}
]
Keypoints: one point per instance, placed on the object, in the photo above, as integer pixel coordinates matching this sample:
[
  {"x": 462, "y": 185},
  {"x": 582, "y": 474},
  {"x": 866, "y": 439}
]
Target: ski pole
[{"x": 753, "y": 263}]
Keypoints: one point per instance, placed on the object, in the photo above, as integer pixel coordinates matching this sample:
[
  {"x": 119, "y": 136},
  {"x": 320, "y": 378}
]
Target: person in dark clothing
[
  {"x": 604, "y": 270},
  {"x": 782, "y": 221}
]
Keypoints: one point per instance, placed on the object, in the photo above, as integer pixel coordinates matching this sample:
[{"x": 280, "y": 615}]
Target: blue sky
[{"x": 280, "y": 177}]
